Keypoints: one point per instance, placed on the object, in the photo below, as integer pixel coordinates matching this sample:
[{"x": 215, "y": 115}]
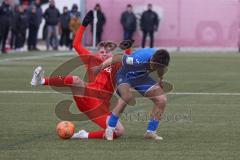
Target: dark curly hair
[{"x": 161, "y": 57}]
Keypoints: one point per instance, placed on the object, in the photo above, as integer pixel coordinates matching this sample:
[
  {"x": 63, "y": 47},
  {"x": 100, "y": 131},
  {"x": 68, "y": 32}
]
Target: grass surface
[{"x": 194, "y": 127}]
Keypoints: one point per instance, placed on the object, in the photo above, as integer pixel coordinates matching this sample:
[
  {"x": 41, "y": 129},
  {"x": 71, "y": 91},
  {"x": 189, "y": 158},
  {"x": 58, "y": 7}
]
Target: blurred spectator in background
[
  {"x": 21, "y": 28},
  {"x": 35, "y": 19},
  {"x": 64, "y": 28},
  {"x": 100, "y": 23},
  {"x": 33, "y": 29},
  {"x": 149, "y": 23},
  {"x": 6, "y": 15},
  {"x": 52, "y": 16},
  {"x": 75, "y": 12},
  {"x": 14, "y": 27},
  {"x": 75, "y": 22},
  {"x": 129, "y": 23}
]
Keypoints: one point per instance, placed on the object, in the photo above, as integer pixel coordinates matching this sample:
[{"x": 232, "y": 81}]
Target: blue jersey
[{"x": 137, "y": 64}]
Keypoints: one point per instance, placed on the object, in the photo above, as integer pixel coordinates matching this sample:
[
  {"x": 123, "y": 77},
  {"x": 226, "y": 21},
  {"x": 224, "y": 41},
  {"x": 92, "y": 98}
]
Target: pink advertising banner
[{"x": 190, "y": 23}]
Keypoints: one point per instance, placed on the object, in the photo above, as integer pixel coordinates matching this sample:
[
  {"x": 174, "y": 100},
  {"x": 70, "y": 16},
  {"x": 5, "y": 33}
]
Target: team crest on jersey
[{"x": 129, "y": 60}]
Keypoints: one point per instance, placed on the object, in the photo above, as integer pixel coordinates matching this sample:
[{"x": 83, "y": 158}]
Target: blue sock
[
  {"x": 152, "y": 125},
  {"x": 112, "y": 122}
]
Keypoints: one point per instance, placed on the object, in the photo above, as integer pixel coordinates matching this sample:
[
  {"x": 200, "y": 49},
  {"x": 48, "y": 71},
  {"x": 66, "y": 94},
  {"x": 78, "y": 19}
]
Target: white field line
[
  {"x": 36, "y": 57},
  {"x": 205, "y": 93},
  {"x": 174, "y": 93}
]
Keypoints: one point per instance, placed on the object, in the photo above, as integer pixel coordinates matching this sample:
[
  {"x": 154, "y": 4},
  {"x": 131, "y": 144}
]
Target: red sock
[
  {"x": 99, "y": 135},
  {"x": 59, "y": 81},
  {"x": 96, "y": 134}
]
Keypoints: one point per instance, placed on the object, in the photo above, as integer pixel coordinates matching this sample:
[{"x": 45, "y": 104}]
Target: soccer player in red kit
[{"x": 96, "y": 106}]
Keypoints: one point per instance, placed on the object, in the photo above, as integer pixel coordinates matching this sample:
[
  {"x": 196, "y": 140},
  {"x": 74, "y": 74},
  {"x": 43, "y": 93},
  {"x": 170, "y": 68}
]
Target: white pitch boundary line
[
  {"x": 205, "y": 93},
  {"x": 37, "y": 57},
  {"x": 28, "y": 92},
  {"x": 174, "y": 93}
]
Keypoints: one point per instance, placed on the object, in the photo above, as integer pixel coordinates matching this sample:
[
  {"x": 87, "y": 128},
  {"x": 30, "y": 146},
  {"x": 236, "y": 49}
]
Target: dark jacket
[
  {"x": 22, "y": 22},
  {"x": 64, "y": 20},
  {"x": 75, "y": 13},
  {"x": 6, "y": 15},
  {"x": 129, "y": 21},
  {"x": 14, "y": 20},
  {"x": 101, "y": 21},
  {"x": 149, "y": 21},
  {"x": 52, "y": 16},
  {"x": 39, "y": 14},
  {"x": 33, "y": 20}
]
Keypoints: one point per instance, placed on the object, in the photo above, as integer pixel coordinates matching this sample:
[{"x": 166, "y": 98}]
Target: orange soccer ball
[{"x": 65, "y": 129}]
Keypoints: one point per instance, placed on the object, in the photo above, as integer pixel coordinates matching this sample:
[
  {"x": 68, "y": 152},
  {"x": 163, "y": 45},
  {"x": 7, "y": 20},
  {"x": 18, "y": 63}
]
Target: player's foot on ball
[
  {"x": 151, "y": 135},
  {"x": 38, "y": 75},
  {"x": 82, "y": 134},
  {"x": 109, "y": 133}
]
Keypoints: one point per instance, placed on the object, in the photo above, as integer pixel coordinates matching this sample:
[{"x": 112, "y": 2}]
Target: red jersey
[{"x": 103, "y": 81}]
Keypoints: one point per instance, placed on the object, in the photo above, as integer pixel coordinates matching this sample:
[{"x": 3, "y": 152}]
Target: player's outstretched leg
[
  {"x": 38, "y": 75},
  {"x": 57, "y": 81},
  {"x": 100, "y": 134},
  {"x": 82, "y": 134}
]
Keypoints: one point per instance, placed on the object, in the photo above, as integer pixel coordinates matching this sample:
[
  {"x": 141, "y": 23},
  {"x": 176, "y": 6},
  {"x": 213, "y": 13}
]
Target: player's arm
[
  {"x": 126, "y": 46},
  {"x": 115, "y": 59},
  {"x": 77, "y": 43}
]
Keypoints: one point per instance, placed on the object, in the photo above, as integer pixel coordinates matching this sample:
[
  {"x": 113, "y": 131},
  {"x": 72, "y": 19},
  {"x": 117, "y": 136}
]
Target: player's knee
[
  {"x": 161, "y": 101},
  {"x": 120, "y": 130},
  {"x": 127, "y": 98},
  {"x": 77, "y": 81}
]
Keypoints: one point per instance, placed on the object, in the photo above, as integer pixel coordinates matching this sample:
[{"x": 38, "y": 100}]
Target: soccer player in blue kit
[{"x": 134, "y": 73}]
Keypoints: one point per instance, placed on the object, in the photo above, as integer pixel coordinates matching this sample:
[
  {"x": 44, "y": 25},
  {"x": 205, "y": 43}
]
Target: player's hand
[
  {"x": 126, "y": 44},
  {"x": 88, "y": 18},
  {"x": 96, "y": 69}
]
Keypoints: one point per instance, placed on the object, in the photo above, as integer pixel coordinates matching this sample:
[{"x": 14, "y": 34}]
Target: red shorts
[
  {"x": 96, "y": 110},
  {"x": 95, "y": 104}
]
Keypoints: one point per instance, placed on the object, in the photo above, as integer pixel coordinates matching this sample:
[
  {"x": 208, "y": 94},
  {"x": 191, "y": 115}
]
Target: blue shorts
[{"x": 141, "y": 84}]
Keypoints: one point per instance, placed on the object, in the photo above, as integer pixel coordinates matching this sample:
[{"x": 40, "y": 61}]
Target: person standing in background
[
  {"x": 129, "y": 23},
  {"x": 100, "y": 23},
  {"x": 75, "y": 23},
  {"x": 33, "y": 29},
  {"x": 64, "y": 27},
  {"x": 75, "y": 11},
  {"x": 149, "y": 24},
  {"x": 52, "y": 16},
  {"x": 6, "y": 15},
  {"x": 14, "y": 27},
  {"x": 22, "y": 24},
  {"x": 35, "y": 15}
]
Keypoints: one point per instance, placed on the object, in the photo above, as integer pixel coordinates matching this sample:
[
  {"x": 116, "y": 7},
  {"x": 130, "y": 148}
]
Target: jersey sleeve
[
  {"x": 128, "y": 51},
  {"x": 80, "y": 49},
  {"x": 128, "y": 60},
  {"x": 139, "y": 57},
  {"x": 132, "y": 60}
]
